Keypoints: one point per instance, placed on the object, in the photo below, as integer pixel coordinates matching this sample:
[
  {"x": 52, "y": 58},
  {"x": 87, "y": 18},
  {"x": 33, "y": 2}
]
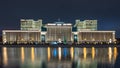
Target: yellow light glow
[
  {"x": 22, "y": 54},
  {"x": 48, "y": 49},
  {"x": 109, "y": 53},
  {"x": 72, "y": 52},
  {"x": 59, "y": 53},
  {"x": 115, "y": 52},
  {"x": 32, "y": 54},
  {"x": 93, "y": 52},
  {"x": 5, "y": 56},
  {"x": 84, "y": 53}
]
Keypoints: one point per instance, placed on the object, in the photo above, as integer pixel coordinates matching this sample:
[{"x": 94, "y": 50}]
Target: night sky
[{"x": 107, "y": 12}]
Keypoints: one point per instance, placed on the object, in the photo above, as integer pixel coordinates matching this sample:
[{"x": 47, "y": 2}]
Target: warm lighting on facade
[
  {"x": 51, "y": 24},
  {"x": 84, "y": 39},
  {"x": 48, "y": 51},
  {"x": 22, "y": 54},
  {"x": 59, "y": 40},
  {"x": 93, "y": 39},
  {"x": 31, "y": 32},
  {"x": 5, "y": 56},
  {"x": 59, "y": 24},
  {"x": 32, "y": 54},
  {"x": 110, "y": 40},
  {"x": 59, "y": 53}
]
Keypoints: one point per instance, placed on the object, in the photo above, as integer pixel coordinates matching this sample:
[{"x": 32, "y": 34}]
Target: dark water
[{"x": 23, "y": 57}]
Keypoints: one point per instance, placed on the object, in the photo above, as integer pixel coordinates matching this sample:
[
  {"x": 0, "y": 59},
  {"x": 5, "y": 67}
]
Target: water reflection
[
  {"x": 84, "y": 53},
  {"x": 110, "y": 53},
  {"x": 59, "y": 53},
  {"x": 48, "y": 53},
  {"x": 22, "y": 54},
  {"x": 93, "y": 53},
  {"x": 59, "y": 57},
  {"x": 32, "y": 54},
  {"x": 115, "y": 53},
  {"x": 5, "y": 56},
  {"x": 72, "y": 53}
]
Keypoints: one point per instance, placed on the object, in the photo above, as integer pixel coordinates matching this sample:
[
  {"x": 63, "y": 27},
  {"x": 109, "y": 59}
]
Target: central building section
[{"x": 59, "y": 32}]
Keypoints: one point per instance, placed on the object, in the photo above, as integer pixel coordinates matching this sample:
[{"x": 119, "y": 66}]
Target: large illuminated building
[
  {"x": 32, "y": 32},
  {"x": 59, "y": 31}
]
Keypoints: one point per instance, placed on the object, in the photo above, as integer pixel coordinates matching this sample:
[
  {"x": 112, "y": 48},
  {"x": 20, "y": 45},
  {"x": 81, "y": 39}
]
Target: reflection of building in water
[
  {"x": 59, "y": 53},
  {"x": 93, "y": 52},
  {"x": 32, "y": 54},
  {"x": 84, "y": 53},
  {"x": 34, "y": 32},
  {"x": 49, "y": 53},
  {"x": 22, "y": 54},
  {"x": 72, "y": 52},
  {"x": 92, "y": 57},
  {"x": 5, "y": 56},
  {"x": 59, "y": 57},
  {"x": 115, "y": 53}
]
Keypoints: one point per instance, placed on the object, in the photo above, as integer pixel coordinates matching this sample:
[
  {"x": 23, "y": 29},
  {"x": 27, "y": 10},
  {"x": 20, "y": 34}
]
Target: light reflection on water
[{"x": 31, "y": 57}]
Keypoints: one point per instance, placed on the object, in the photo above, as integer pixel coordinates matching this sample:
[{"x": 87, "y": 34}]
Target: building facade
[
  {"x": 96, "y": 36},
  {"x": 31, "y": 31},
  {"x": 30, "y": 24},
  {"x": 59, "y": 31},
  {"x": 89, "y": 25},
  {"x": 19, "y": 36}
]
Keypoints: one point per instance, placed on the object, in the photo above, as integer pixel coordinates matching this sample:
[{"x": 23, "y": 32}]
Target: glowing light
[
  {"x": 84, "y": 53},
  {"x": 109, "y": 53},
  {"x": 51, "y": 24},
  {"x": 22, "y": 54},
  {"x": 75, "y": 33},
  {"x": 68, "y": 24},
  {"x": 5, "y": 40},
  {"x": 4, "y": 33},
  {"x": 115, "y": 52},
  {"x": 55, "y": 52},
  {"x": 59, "y": 53},
  {"x": 59, "y": 40},
  {"x": 93, "y": 52},
  {"x": 59, "y": 24},
  {"x": 64, "y": 24},
  {"x": 32, "y": 54},
  {"x": 110, "y": 40},
  {"x": 72, "y": 52},
  {"x": 75, "y": 37},
  {"x": 43, "y": 33},
  {"x": 48, "y": 49},
  {"x": 5, "y": 56},
  {"x": 85, "y": 39},
  {"x": 65, "y": 52}
]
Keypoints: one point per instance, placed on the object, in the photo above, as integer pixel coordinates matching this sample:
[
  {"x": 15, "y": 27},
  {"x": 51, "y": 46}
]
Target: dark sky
[{"x": 107, "y": 12}]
